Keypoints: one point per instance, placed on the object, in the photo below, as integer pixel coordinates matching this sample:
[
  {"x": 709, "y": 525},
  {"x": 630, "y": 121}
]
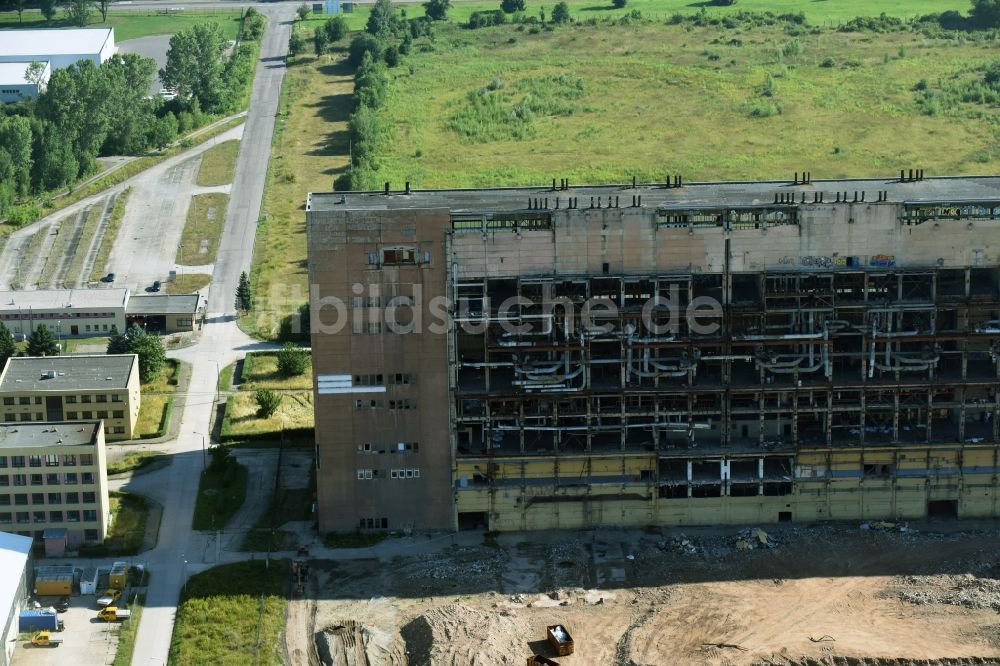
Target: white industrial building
[
  {"x": 60, "y": 47},
  {"x": 15, "y": 86},
  {"x": 65, "y": 312},
  {"x": 15, "y": 567}
]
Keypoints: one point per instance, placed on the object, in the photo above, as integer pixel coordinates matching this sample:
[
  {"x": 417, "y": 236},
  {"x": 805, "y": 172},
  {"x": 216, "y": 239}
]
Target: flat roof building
[
  {"x": 66, "y": 312},
  {"x": 16, "y": 567},
  {"x": 60, "y": 47},
  {"x": 73, "y": 388},
  {"x": 54, "y": 475},
  {"x": 667, "y": 354},
  {"x": 170, "y": 313},
  {"x": 15, "y": 86}
]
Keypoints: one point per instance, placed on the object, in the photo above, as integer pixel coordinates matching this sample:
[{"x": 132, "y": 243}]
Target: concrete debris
[
  {"x": 964, "y": 590},
  {"x": 887, "y": 526},
  {"x": 753, "y": 538}
]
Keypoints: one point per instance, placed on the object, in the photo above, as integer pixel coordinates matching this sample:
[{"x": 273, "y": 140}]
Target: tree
[
  {"x": 560, "y": 13},
  {"x": 292, "y": 360},
  {"x": 336, "y": 28},
  {"x": 42, "y": 342},
  {"x": 35, "y": 73},
  {"x": 619, "y": 4},
  {"x": 985, "y": 13},
  {"x": 244, "y": 294},
  {"x": 382, "y": 21},
  {"x": 437, "y": 10},
  {"x": 117, "y": 342},
  {"x": 511, "y": 6},
  {"x": 196, "y": 61},
  {"x": 16, "y": 140},
  {"x": 267, "y": 402},
  {"x": 7, "y": 346},
  {"x": 303, "y": 11},
  {"x": 48, "y": 8},
  {"x": 162, "y": 131},
  {"x": 78, "y": 12},
  {"x": 103, "y": 6},
  {"x": 151, "y": 354},
  {"x": 19, "y": 8},
  {"x": 320, "y": 41},
  {"x": 296, "y": 43},
  {"x": 361, "y": 44}
]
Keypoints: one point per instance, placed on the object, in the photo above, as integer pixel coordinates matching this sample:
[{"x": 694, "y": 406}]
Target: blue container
[{"x": 37, "y": 620}]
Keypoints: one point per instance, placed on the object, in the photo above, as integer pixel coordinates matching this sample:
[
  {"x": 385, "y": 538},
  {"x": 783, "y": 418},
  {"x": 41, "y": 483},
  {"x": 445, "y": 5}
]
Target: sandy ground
[{"x": 819, "y": 595}]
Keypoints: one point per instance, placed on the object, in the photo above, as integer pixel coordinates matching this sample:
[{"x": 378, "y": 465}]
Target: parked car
[
  {"x": 110, "y": 277},
  {"x": 109, "y": 597},
  {"x": 62, "y": 605},
  {"x": 155, "y": 286}
]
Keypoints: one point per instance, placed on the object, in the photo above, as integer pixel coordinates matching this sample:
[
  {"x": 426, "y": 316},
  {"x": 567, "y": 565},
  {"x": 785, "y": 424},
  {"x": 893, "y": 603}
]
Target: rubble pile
[
  {"x": 753, "y": 538},
  {"x": 964, "y": 590}
]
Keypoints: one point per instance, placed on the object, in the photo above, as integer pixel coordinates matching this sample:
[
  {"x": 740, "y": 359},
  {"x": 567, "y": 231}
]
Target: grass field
[
  {"x": 110, "y": 235},
  {"x": 152, "y": 412},
  {"x": 218, "y": 164},
  {"x": 129, "y": 513},
  {"x": 188, "y": 283},
  {"x": 205, "y": 219},
  {"x": 261, "y": 371},
  {"x": 165, "y": 381},
  {"x": 126, "y": 635},
  {"x": 132, "y": 25},
  {"x": 821, "y": 12},
  {"x": 135, "y": 460},
  {"x": 223, "y": 612},
  {"x": 296, "y": 411},
  {"x": 220, "y": 495}
]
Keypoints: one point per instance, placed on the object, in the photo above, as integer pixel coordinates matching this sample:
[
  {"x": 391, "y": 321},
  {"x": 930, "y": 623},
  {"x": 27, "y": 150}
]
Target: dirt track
[{"x": 825, "y": 595}]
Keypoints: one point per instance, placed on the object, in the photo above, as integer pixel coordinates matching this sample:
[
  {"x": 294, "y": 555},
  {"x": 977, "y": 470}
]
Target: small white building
[
  {"x": 15, "y": 86},
  {"x": 15, "y": 565},
  {"x": 59, "y": 47},
  {"x": 65, "y": 312}
]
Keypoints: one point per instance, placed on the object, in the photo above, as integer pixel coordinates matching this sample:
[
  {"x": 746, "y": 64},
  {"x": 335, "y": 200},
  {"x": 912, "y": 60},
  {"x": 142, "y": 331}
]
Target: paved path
[{"x": 181, "y": 551}]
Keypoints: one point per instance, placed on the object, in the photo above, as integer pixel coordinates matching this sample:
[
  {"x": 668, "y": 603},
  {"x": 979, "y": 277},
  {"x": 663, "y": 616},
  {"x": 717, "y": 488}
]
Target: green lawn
[
  {"x": 188, "y": 283},
  {"x": 167, "y": 379},
  {"x": 225, "y": 610},
  {"x": 205, "y": 220},
  {"x": 220, "y": 495},
  {"x": 822, "y": 12},
  {"x": 126, "y": 635},
  {"x": 128, "y": 526},
  {"x": 135, "y": 460},
  {"x": 260, "y": 370},
  {"x": 295, "y": 412},
  {"x": 218, "y": 164},
  {"x": 131, "y": 25},
  {"x": 153, "y": 418}
]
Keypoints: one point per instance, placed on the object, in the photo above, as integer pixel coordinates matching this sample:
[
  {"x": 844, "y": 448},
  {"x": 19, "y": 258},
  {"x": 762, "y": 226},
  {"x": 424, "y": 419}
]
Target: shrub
[
  {"x": 437, "y": 10},
  {"x": 23, "y": 214},
  {"x": 371, "y": 83},
  {"x": 303, "y": 11},
  {"x": 391, "y": 55},
  {"x": 292, "y": 360},
  {"x": 619, "y": 4},
  {"x": 487, "y": 18},
  {"x": 267, "y": 403},
  {"x": 511, "y": 6},
  {"x": 335, "y": 28},
  {"x": 828, "y": 62},
  {"x": 296, "y": 43},
  {"x": 560, "y": 13},
  {"x": 364, "y": 43}
]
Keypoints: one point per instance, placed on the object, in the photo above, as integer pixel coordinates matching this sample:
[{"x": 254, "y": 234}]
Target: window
[
  {"x": 38, "y": 516},
  {"x": 85, "y": 398},
  {"x": 69, "y": 478},
  {"x": 17, "y": 461},
  {"x": 402, "y": 404},
  {"x": 23, "y": 517},
  {"x": 395, "y": 256},
  {"x": 72, "y": 516},
  {"x": 69, "y": 460},
  {"x": 405, "y": 447},
  {"x": 102, "y": 414},
  {"x": 72, "y": 416},
  {"x": 184, "y": 322},
  {"x": 365, "y": 475},
  {"x": 55, "y": 498},
  {"x": 71, "y": 400},
  {"x": 405, "y": 474},
  {"x": 116, "y": 398},
  {"x": 39, "y": 416},
  {"x": 55, "y": 516},
  {"x": 36, "y": 479},
  {"x": 38, "y": 399},
  {"x": 87, "y": 478},
  {"x": 20, "y": 479},
  {"x": 38, "y": 498},
  {"x": 9, "y": 417},
  {"x": 101, "y": 398},
  {"x": 4, "y": 480},
  {"x": 118, "y": 414},
  {"x": 90, "y": 535},
  {"x": 3, "y": 461},
  {"x": 119, "y": 430},
  {"x": 24, "y": 400},
  {"x": 86, "y": 416},
  {"x": 367, "y": 447},
  {"x": 26, "y": 416},
  {"x": 89, "y": 498},
  {"x": 72, "y": 498},
  {"x": 402, "y": 378},
  {"x": 52, "y": 460},
  {"x": 34, "y": 461},
  {"x": 5, "y": 518},
  {"x": 368, "y": 380},
  {"x": 8, "y": 401},
  {"x": 86, "y": 459},
  {"x": 52, "y": 479},
  {"x": 367, "y": 404},
  {"x": 89, "y": 515},
  {"x": 4, "y": 500}
]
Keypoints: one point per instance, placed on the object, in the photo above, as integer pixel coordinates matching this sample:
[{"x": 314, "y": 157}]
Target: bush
[
  {"x": 560, "y": 13},
  {"x": 303, "y": 11},
  {"x": 511, "y": 6},
  {"x": 267, "y": 403},
  {"x": 619, "y": 4},
  {"x": 487, "y": 18},
  {"x": 296, "y": 43},
  {"x": 253, "y": 24},
  {"x": 292, "y": 360},
  {"x": 335, "y": 28},
  {"x": 364, "y": 43},
  {"x": 23, "y": 214},
  {"x": 828, "y": 62},
  {"x": 437, "y": 10},
  {"x": 391, "y": 56},
  {"x": 371, "y": 82}
]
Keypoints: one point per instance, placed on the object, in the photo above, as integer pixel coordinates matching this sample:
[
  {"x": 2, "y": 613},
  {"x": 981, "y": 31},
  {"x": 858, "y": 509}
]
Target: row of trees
[
  {"x": 149, "y": 348},
  {"x": 77, "y": 11}
]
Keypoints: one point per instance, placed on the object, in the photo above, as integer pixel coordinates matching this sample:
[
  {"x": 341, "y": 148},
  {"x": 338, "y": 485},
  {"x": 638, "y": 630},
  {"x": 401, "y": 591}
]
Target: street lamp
[
  {"x": 59, "y": 334},
  {"x": 184, "y": 581}
]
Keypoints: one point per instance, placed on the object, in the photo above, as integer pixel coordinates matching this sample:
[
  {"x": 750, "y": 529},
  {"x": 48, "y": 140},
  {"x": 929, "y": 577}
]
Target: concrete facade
[
  {"x": 754, "y": 352},
  {"x": 167, "y": 313},
  {"x": 54, "y": 475},
  {"x": 66, "y": 312},
  {"x": 73, "y": 388}
]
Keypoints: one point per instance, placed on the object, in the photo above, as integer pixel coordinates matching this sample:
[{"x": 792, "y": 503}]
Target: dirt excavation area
[{"x": 825, "y": 594}]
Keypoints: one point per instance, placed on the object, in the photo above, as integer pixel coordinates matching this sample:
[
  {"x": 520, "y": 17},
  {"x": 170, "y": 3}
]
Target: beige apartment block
[
  {"x": 752, "y": 352},
  {"x": 54, "y": 476},
  {"x": 73, "y": 388}
]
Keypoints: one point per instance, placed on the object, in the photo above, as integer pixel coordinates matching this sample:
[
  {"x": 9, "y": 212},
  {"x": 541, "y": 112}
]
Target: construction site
[{"x": 667, "y": 354}]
